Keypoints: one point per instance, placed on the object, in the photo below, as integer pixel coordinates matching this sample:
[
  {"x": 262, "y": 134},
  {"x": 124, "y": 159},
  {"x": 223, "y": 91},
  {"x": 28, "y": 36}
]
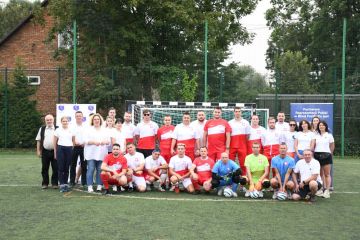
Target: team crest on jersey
[{"x": 260, "y": 161}]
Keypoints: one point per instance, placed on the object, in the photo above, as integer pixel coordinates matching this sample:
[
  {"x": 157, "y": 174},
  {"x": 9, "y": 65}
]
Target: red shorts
[
  {"x": 166, "y": 154},
  {"x": 215, "y": 154},
  {"x": 241, "y": 154}
]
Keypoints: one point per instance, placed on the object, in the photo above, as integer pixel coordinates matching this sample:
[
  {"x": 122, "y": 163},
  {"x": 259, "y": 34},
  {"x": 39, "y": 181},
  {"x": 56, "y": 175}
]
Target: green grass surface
[{"x": 27, "y": 212}]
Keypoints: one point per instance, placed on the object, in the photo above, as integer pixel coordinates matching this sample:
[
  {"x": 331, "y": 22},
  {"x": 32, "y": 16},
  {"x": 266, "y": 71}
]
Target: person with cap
[{"x": 155, "y": 171}]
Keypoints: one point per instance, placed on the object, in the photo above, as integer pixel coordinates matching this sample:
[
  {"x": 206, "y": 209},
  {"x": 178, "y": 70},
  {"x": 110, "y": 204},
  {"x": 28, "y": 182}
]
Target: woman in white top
[
  {"x": 323, "y": 146},
  {"x": 97, "y": 140},
  {"x": 118, "y": 135},
  {"x": 290, "y": 137},
  {"x": 303, "y": 139},
  {"x": 109, "y": 124},
  {"x": 63, "y": 144},
  {"x": 314, "y": 123}
]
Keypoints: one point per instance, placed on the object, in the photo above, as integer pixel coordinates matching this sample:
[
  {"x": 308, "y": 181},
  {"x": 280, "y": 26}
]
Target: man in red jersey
[
  {"x": 217, "y": 135},
  {"x": 200, "y": 172},
  {"x": 184, "y": 133},
  {"x": 145, "y": 134},
  {"x": 240, "y": 130},
  {"x": 113, "y": 169},
  {"x": 164, "y": 136}
]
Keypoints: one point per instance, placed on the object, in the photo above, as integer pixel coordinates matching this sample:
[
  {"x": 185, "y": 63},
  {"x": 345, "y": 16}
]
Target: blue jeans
[
  {"x": 297, "y": 157},
  {"x": 228, "y": 183},
  {"x": 63, "y": 154},
  {"x": 91, "y": 166}
]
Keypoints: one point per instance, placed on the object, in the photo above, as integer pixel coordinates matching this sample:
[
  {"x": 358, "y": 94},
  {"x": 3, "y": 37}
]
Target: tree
[
  {"x": 315, "y": 29},
  {"x": 140, "y": 36},
  {"x": 23, "y": 118},
  {"x": 240, "y": 84},
  {"x": 293, "y": 73},
  {"x": 13, "y": 13}
]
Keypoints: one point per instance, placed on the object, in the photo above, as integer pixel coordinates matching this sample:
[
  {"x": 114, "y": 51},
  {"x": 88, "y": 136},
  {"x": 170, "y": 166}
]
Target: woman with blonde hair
[{"x": 97, "y": 140}]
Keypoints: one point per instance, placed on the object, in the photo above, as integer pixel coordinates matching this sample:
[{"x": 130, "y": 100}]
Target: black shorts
[
  {"x": 306, "y": 189},
  {"x": 323, "y": 158},
  {"x": 146, "y": 152}
]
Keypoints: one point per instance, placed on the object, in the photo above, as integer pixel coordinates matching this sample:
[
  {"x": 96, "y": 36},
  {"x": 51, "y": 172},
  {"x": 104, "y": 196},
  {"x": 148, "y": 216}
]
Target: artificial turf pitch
[{"x": 28, "y": 212}]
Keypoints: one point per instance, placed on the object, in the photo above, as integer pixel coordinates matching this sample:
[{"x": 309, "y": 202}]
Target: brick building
[{"x": 26, "y": 42}]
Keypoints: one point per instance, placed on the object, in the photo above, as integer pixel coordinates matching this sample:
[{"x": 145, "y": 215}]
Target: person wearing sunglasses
[
  {"x": 290, "y": 137},
  {"x": 145, "y": 134}
]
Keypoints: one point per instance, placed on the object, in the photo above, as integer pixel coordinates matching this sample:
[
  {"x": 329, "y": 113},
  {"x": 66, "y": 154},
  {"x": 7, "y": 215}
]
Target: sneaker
[
  {"x": 247, "y": 193},
  {"x": 161, "y": 188},
  {"x": 307, "y": 197},
  {"x": 172, "y": 188},
  {"x": 326, "y": 194},
  {"x": 90, "y": 189},
  {"x": 319, "y": 193},
  {"x": 54, "y": 186},
  {"x": 242, "y": 188},
  {"x": 220, "y": 191},
  {"x": 114, "y": 188},
  {"x": 130, "y": 189},
  {"x": 148, "y": 187},
  {"x": 331, "y": 189},
  {"x": 235, "y": 194},
  {"x": 66, "y": 188},
  {"x": 99, "y": 187},
  {"x": 289, "y": 195},
  {"x": 261, "y": 194},
  {"x": 62, "y": 189},
  {"x": 106, "y": 192},
  {"x": 44, "y": 186},
  {"x": 312, "y": 198},
  {"x": 274, "y": 196},
  {"x": 122, "y": 189}
]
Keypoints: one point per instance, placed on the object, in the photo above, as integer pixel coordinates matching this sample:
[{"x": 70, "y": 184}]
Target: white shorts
[
  {"x": 186, "y": 182},
  {"x": 139, "y": 181}
]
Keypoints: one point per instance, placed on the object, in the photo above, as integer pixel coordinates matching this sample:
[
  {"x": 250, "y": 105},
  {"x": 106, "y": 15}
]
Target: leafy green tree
[
  {"x": 138, "y": 37},
  {"x": 12, "y": 13},
  {"x": 293, "y": 73},
  {"x": 23, "y": 118}
]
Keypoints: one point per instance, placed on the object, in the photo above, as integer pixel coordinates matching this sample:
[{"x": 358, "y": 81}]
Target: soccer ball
[
  {"x": 281, "y": 196},
  {"x": 228, "y": 192},
  {"x": 254, "y": 194}
]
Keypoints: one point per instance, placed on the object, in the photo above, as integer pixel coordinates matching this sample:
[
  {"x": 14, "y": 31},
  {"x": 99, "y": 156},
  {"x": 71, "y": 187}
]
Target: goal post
[{"x": 159, "y": 109}]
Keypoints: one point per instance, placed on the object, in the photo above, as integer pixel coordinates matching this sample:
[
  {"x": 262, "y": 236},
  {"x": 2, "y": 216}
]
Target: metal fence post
[{"x": 6, "y": 110}]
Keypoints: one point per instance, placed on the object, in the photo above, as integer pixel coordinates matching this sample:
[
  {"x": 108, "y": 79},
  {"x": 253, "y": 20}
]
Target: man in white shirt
[
  {"x": 78, "y": 150},
  {"x": 156, "y": 170},
  {"x": 198, "y": 125},
  {"x": 281, "y": 125},
  {"x": 135, "y": 172},
  {"x": 128, "y": 128},
  {"x": 308, "y": 170},
  {"x": 45, "y": 150}
]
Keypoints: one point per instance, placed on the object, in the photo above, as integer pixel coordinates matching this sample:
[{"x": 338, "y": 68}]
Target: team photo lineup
[{"x": 211, "y": 156}]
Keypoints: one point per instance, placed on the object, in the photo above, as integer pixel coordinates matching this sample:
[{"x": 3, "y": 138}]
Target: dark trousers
[
  {"x": 63, "y": 155},
  {"x": 146, "y": 152},
  {"x": 78, "y": 152},
  {"x": 47, "y": 158}
]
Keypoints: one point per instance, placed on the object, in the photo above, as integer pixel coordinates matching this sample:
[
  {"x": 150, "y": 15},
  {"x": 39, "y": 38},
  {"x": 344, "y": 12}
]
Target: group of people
[{"x": 193, "y": 156}]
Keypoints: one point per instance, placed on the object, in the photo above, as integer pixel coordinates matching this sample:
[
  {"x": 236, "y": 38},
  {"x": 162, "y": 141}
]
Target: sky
[{"x": 252, "y": 54}]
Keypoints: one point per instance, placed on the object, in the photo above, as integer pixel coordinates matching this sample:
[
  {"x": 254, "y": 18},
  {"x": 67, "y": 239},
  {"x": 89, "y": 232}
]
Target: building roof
[{"x": 22, "y": 23}]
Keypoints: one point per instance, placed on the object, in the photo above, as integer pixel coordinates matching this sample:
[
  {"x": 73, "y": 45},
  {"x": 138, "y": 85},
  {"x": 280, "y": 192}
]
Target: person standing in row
[
  {"x": 96, "y": 148},
  {"x": 78, "y": 150},
  {"x": 256, "y": 131},
  {"x": 217, "y": 135},
  {"x": 303, "y": 139},
  {"x": 45, "y": 151},
  {"x": 164, "y": 136},
  {"x": 128, "y": 128},
  {"x": 199, "y": 125},
  {"x": 290, "y": 137},
  {"x": 63, "y": 145},
  {"x": 145, "y": 134}
]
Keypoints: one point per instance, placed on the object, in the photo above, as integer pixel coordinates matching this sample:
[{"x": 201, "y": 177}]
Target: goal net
[{"x": 176, "y": 109}]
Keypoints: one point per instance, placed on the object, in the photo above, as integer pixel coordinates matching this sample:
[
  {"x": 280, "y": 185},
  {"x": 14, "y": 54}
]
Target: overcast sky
[{"x": 254, "y": 53}]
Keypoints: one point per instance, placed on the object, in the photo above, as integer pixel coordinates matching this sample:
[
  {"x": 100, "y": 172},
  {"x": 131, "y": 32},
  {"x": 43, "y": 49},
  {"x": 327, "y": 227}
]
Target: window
[{"x": 33, "y": 80}]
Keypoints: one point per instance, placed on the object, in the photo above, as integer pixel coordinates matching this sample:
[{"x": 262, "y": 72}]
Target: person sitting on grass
[
  {"x": 310, "y": 180},
  {"x": 226, "y": 173},
  {"x": 155, "y": 170},
  {"x": 179, "y": 170},
  {"x": 113, "y": 169},
  {"x": 257, "y": 171},
  {"x": 283, "y": 166}
]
